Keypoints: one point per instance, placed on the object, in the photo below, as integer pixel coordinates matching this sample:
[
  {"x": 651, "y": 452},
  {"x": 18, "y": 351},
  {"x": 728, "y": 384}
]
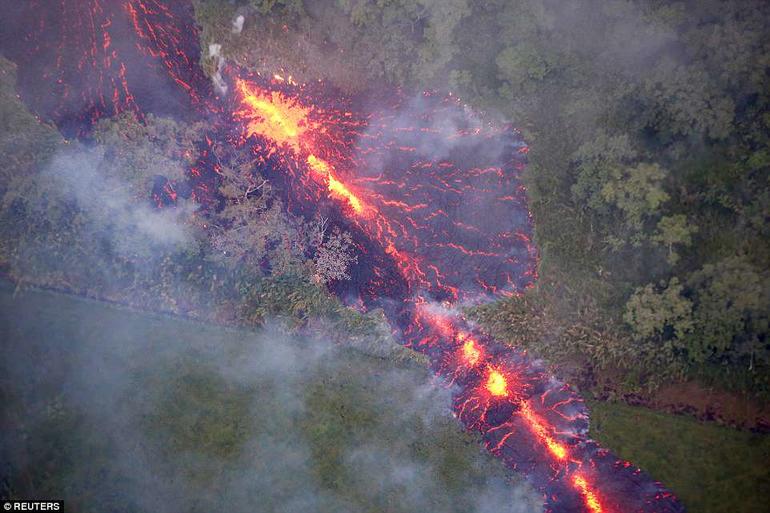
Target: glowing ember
[{"x": 496, "y": 383}]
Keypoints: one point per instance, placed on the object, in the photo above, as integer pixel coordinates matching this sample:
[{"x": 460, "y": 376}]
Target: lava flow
[
  {"x": 430, "y": 192},
  {"x": 437, "y": 191},
  {"x": 82, "y": 60}
]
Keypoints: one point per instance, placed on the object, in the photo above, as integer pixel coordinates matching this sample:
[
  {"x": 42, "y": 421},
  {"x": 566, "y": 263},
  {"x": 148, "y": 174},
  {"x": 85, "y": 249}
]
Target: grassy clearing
[
  {"x": 115, "y": 410},
  {"x": 713, "y": 469}
]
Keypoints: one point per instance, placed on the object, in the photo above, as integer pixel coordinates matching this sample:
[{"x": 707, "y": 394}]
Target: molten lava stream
[
  {"x": 449, "y": 230},
  {"x": 512, "y": 403},
  {"x": 286, "y": 123},
  {"x": 429, "y": 227},
  {"x": 533, "y": 422}
]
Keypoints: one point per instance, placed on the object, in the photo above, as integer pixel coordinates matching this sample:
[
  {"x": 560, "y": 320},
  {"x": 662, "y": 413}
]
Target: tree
[
  {"x": 653, "y": 313},
  {"x": 686, "y": 101},
  {"x": 720, "y": 315},
  {"x": 623, "y": 194},
  {"x": 381, "y": 39},
  {"x": 674, "y": 230},
  {"x": 636, "y": 191},
  {"x": 732, "y": 312},
  {"x": 252, "y": 231},
  {"x": 521, "y": 67},
  {"x": 438, "y": 46},
  {"x": 333, "y": 253},
  {"x": 141, "y": 150},
  {"x": 597, "y": 162}
]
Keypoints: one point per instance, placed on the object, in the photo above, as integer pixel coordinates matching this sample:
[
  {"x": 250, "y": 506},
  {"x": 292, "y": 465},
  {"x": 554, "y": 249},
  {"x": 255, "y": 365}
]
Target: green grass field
[
  {"x": 713, "y": 469},
  {"x": 113, "y": 410}
]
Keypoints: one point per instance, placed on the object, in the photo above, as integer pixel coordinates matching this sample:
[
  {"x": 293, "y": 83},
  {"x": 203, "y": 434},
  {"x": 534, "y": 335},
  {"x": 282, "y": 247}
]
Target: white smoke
[
  {"x": 215, "y": 53},
  {"x": 81, "y": 175},
  {"x": 120, "y": 371},
  {"x": 238, "y": 24}
]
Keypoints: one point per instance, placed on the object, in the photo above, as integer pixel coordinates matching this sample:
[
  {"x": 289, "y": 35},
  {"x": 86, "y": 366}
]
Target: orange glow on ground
[
  {"x": 471, "y": 353},
  {"x": 284, "y": 121},
  {"x": 538, "y": 428},
  {"x": 590, "y": 498},
  {"x": 336, "y": 187},
  {"x": 274, "y": 116},
  {"x": 496, "y": 384}
]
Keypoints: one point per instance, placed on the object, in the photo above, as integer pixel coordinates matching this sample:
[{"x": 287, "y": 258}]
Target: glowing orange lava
[
  {"x": 471, "y": 352},
  {"x": 272, "y": 115},
  {"x": 590, "y": 498},
  {"x": 454, "y": 229},
  {"x": 496, "y": 384},
  {"x": 336, "y": 187},
  {"x": 289, "y": 124},
  {"x": 539, "y": 429},
  {"x": 286, "y": 122}
]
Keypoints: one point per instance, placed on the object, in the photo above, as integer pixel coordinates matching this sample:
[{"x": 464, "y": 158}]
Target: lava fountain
[{"x": 430, "y": 192}]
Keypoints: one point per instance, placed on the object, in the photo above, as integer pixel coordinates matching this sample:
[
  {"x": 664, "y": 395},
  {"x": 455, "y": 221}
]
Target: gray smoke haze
[
  {"x": 106, "y": 201},
  {"x": 87, "y": 213},
  {"x": 158, "y": 414},
  {"x": 434, "y": 131},
  {"x": 88, "y": 206}
]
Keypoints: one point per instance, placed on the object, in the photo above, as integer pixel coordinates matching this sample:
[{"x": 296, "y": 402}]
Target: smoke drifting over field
[{"x": 156, "y": 414}]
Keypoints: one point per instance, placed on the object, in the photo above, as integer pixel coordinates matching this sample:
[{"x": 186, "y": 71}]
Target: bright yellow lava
[
  {"x": 591, "y": 500},
  {"x": 497, "y": 385},
  {"x": 284, "y": 121},
  {"x": 336, "y": 187},
  {"x": 274, "y": 116},
  {"x": 537, "y": 427},
  {"x": 471, "y": 353}
]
